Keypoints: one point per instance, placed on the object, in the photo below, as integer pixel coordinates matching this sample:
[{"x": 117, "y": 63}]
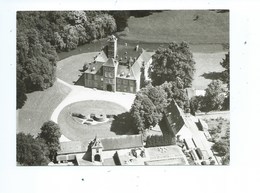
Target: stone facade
[{"x": 107, "y": 73}]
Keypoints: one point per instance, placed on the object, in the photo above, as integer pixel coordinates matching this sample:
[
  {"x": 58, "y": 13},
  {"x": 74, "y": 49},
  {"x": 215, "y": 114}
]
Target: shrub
[{"x": 79, "y": 115}]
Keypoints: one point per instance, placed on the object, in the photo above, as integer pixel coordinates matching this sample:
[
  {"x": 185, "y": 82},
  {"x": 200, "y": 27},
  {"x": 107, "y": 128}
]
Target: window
[
  {"x": 131, "y": 89},
  {"x": 118, "y": 80},
  {"x": 125, "y": 88},
  {"x": 125, "y": 82},
  {"x": 131, "y": 83},
  {"x": 111, "y": 74},
  {"x": 96, "y": 77},
  {"x": 106, "y": 74}
]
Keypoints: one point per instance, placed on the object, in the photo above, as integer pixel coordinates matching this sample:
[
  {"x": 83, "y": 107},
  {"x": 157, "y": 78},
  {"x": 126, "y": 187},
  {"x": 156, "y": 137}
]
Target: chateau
[{"x": 108, "y": 72}]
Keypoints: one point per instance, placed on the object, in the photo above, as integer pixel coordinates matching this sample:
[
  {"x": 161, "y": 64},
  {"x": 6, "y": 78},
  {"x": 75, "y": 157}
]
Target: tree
[
  {"x": 148, "y": 107},
  {"x": 226, "y": 159},
  {"x": 221, "y": 147},
  {"x": 174, "y": 91},
  {"x": 121, "y": 18},
  {"x": 50, "y": 133},
  {"x": 214, "y": 96},
  {"x": 196, "y": 104},
  {"x": 226, "y": 73},
  {"x": 20, "y": 93},
  {"x": 144, "y": 112},
  {"x": 174, "y": 64},
  {"x": 225, "y": 77},
  {"x": 31, "y": 151}
]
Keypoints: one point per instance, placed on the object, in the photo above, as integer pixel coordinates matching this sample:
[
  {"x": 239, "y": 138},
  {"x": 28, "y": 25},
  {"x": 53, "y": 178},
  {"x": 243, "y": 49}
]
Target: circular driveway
[{"x": 73, "y": 129}]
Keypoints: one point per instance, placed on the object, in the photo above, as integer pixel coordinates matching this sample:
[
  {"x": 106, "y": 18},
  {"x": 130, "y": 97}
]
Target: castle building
[{"x": 108, "y": 72}]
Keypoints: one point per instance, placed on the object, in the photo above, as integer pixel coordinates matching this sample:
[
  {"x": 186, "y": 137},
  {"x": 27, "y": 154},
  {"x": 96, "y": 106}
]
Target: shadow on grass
[
  {"x": 142, "y": 13},
  {"x": 212, "y": 75},
  {"x": 123, "y": 124}
]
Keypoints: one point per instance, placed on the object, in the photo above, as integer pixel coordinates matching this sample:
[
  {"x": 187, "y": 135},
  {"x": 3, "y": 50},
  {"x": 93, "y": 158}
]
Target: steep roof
[
  {"x": 71, "y": 147},
  {"x": 101, "y": 57},
  {"x": 122, "y": 142},
  {"x": 174, "y": 116},
  {"x": 125, "y": 72},
  {"x": 94, "y": 68},
  {"x": 96, "y": 144},
  {"x": 111, "y": 62},
  {"x": 146, "y": 56},
  {"x": 142, "y": 59}
]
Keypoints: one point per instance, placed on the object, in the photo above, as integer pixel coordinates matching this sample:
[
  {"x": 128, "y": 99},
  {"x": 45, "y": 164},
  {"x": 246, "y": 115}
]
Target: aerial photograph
[{"x": 123, "y": 87}]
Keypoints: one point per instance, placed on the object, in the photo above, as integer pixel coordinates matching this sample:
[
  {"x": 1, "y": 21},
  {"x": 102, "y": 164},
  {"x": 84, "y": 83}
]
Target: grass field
[
  {"x": 205, "y": 63},
  {"x": 39, "y": 108},
  {"x": 74, "y": 130},
  {"x": 68, "y": 69},
  {"x": 193, "y": 26}
]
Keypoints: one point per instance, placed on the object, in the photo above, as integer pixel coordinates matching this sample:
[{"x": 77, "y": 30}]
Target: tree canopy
[
  {"x": 214, "y": 96},
  {"x": 173, "y": 64},
  {"x": 41, "y": 34},
  {"x": 50, "y": 133},
  {"x": 226, "y": 73},
  {"x": 150, "y": 102},
  {"x": 148, "y": 107},
  {"x": 31, "y": 151}
]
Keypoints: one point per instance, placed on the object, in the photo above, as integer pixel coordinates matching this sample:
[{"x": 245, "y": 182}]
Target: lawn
[
  {"x": 68, "y": 69},
  {"x": 205, "y": 63},
  {"x": 39, "y": 108},
  {"x": 74, "y": 130},
  {"x": 193, "y": 26}
]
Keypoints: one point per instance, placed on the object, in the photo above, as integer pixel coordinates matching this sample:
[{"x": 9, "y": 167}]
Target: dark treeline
[{"x": 40, "y": 35}]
